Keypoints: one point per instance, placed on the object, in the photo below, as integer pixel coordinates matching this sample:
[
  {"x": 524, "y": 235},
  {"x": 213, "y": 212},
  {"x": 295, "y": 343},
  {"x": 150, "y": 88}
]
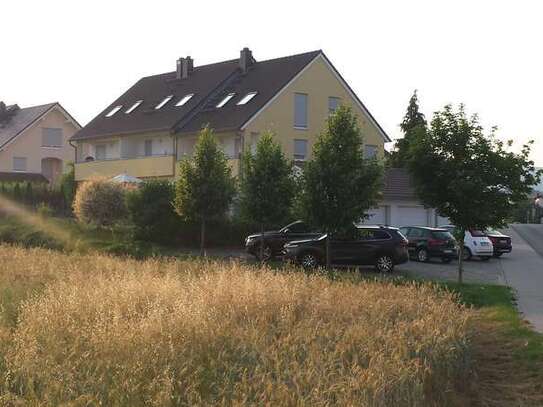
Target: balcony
[{"x": 140, "y": 167}]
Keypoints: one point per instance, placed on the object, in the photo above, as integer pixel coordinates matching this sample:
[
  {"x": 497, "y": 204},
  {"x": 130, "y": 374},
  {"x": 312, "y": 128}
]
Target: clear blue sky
[{"x": 486, "y": 54}]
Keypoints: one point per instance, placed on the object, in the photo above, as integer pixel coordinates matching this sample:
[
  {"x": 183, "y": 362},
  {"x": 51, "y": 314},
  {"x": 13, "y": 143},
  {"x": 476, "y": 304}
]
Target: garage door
[
  {"x": 377, "y": 216},
  {"x": 441, "y": 221},
  {"x": 412, "y": 216}
]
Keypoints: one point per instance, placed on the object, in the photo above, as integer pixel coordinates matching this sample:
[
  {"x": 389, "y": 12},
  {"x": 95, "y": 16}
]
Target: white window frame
[
  {"x": 225, "y": 100},
  {"x": 133, "y": 107},
  {"x": 298, "y": 125},
  {"x": 163, "y": 102},
  {"x": 184, "y": 99},
  {"x": 306, "y": 148},
  {"x": 96, "y": 152},
  {"x": 43, "y": 141},
  {"x": 25, "y": 160},
  {"x": 375, "y": 149},
  {"x": 330, "y": 98},
  {"x": 148, "y": 142},
  {"x": 247, "y": 98},
  {"x": 114, "y": 110}
]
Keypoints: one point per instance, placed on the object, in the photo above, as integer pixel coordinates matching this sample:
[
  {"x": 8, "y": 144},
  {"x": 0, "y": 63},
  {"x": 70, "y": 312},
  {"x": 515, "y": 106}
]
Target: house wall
[
  {"x": 319, "y": 82},
  {"x": 29, "y": 144}
]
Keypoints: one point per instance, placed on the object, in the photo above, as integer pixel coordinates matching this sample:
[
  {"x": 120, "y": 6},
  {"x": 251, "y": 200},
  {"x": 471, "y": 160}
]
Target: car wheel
[
  {"x": 422, "y": 255},
  {"x": 308, "y": 260},
  {"x": 267, "y": 253},
  {"x": 446, "y": 260},
  {"x": 485, "y": 258},
  {"x": 467, "y": 254},
  {"x": 384, "y": 264}
]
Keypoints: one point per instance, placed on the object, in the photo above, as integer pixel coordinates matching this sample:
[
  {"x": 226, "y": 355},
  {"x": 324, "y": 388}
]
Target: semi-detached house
[{"x": 155, "y": 123}]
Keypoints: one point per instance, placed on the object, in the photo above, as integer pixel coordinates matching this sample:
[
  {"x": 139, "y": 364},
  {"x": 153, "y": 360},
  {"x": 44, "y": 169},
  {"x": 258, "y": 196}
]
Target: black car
[
  {"x": 502, "y": 243},
  {"x": 426, "y": 242},
  {"x": 275, "y": 240},
  {"x": 382, "y": 247}
]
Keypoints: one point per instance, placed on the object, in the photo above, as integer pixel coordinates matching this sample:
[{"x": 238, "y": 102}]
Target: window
[
  {"x": 300, "y": 110},
  {"x": 51, "y": 137},
  {"x": 247, "y": 98},
  {"x": 225, "y": 100},
  {"x": 333, "y": 104},
  {"x": 19, "y": 163},
  {"x": 148, "y": 148},
  {"x": 300, "y": 149},
  {"x": 164, "y": 101},
  {"x": 370, "y": 151},
  {"x": 184, "y": 99},
  {"x": 253, "y": 142},
  {"x": 100, "y": 151},
  {"x": 298, "y": 227},
  {"x": 134, "y": 107},
  {"x": 114, "y": 110}
]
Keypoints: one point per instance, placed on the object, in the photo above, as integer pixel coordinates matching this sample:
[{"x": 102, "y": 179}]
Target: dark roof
[
  {"x": 21, "y": 177},
  {"x": 209, "y": 83},
  {"x": 19, "y": 120},
  {"x": 398, "y": 184}
]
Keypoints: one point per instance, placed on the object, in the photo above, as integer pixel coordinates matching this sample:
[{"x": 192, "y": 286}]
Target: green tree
[
  {"x": 68, "y": 185},
  {"x": 412, "y": 120},
  {"x": 267, "y": 186},
  {"x": 469, "y": 177},
  {"x": 339, "y": 184},
  {"x": 205, "y": 187}
]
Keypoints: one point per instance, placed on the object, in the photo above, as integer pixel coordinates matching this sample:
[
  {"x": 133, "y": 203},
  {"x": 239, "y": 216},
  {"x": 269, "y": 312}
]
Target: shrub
[
  {"x": 44, "y": 210},
  {"x": 125, "y": 333},
  {"x": 68, "y": 185},
  {"x": 152, "y": 213},
  {"x": 99, "y": 202}
]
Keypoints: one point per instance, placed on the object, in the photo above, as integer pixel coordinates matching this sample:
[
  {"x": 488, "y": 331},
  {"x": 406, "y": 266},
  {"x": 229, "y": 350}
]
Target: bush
[
  {"x": 67, "y": 185},
  {"x": 44, "y": 210},
  {"x": 99, "y": 202},
  {"x": 152, "y": 213}
]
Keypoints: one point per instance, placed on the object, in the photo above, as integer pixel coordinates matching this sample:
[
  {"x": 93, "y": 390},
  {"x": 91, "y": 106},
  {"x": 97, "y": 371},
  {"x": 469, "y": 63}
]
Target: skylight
[
  {"x": 164, "y": 101},
  {"x": 184, "y": 99},
  {"x": 247, "y": 98},
  {"x": 225, "y": 100},
  {"x": 134, "y": 107},
  {"x": 114, "y": 110}
]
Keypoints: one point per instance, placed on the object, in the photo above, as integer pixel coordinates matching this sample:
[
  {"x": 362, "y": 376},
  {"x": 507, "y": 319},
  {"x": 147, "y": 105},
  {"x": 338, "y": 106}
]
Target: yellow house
[
  {"x": 155, "y": 123},
  {"x": 34, "y": 142}
]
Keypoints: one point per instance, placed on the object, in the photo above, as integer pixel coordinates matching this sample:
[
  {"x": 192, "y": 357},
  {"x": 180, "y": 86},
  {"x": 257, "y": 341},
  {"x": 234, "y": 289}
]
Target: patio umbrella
[{"x": 126, "y": 179}]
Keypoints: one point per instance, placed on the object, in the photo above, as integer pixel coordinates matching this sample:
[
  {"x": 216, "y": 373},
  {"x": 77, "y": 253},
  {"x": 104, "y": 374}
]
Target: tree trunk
[
  {"x": 202, "y": 237},
  {"x": 262, "y": 243},
  {"x": 328, "y": 252},
  {"x": 461, "y": 257}
]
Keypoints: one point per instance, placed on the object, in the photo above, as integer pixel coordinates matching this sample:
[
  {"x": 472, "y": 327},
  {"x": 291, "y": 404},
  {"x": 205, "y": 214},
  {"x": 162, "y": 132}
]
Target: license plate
[
  {"x": 484, "y": 243},
  {"x": 503, "y": 240},
  {"x": 447, "y": 251}
]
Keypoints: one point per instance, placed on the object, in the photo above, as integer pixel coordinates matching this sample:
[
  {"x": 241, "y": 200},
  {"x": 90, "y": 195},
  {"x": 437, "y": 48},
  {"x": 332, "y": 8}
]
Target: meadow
[{"x": 91, "y": 329}]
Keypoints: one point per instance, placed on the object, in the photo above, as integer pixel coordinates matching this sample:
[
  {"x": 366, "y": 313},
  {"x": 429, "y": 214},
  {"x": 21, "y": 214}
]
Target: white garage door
[
  {"x": 412, "y": 216},
  {"x": 377, "y": 216},
  {"x": 442, "y": 221}
]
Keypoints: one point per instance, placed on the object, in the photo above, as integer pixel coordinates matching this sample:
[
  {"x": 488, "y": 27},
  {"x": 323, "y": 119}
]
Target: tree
[
  {"x": 468, "y": 176},
  {"x": 339, "y": 184},
  {"x": 151, "y": 211},
  {"x": 267, "y": 186},
  {"x": 412, "y": 120},
  {"x": 205, "y": 187},
  {"x": 99, "y": 202},
  {"x": 68, "y": 184}
]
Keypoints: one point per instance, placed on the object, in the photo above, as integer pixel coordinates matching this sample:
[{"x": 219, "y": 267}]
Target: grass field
[{"x": 97, "y": 330}]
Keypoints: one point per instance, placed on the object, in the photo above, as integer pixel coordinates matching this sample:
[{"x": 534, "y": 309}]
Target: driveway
[{"x": 524, "y": 271}]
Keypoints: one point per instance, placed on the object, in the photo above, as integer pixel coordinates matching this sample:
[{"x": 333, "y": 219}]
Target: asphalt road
[{"x": 523, "y": 270}]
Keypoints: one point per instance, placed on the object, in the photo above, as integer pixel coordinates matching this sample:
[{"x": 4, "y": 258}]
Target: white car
[{"x": 476, "y": 243}]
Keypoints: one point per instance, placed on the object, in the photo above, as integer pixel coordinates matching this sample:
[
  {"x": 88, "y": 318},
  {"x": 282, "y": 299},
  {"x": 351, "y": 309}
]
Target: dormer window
[
  {"x": 184, "y": 99},
  {"x": 134, "y": 107},
  {"x": 247, "y": 98},
  {"x": 164, "y": 101},
  {"x": 225, "y": 100},
  {"x": 114, "y": 110}
]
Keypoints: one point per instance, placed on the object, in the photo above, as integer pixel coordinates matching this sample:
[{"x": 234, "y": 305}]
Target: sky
[{"x": 485, "y": 54}]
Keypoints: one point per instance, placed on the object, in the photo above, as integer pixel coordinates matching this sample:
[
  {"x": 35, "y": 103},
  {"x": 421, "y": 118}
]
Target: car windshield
[
  {"x": 477, "y": 233},
  {"x": 441, "y": 235},
  {"x": 296, "y": 227},
  {"x": 493, "y": 232}
]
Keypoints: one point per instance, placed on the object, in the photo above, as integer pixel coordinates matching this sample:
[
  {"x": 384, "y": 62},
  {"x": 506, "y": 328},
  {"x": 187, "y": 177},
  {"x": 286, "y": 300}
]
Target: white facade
[{"x": 400, "y": 213}]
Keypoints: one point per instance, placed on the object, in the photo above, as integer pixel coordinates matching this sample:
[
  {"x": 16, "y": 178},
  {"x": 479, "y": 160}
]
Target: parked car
[
  {"x": 382, "y": 247},
  {"x": 500, "y": 242},
  {"x": 275, "y": 240},
  {"x": 476, "y": 243},
  {"x": 425, "y": 243}
]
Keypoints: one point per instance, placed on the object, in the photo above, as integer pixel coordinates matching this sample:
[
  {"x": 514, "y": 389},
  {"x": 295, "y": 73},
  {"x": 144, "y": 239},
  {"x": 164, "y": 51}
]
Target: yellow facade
[{"x": 319, "y": 82}]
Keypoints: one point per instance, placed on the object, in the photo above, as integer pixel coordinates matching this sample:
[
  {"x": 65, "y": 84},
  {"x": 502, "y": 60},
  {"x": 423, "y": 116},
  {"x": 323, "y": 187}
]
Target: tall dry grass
[{"x": 114, "y": 332}]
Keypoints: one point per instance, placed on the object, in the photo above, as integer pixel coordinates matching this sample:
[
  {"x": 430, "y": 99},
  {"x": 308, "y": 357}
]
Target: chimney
[
  {"x": 245, "y": 59},
  {"x": 184, "y": 67}
]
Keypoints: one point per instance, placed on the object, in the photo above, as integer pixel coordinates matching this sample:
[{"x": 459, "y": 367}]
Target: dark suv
[
  {"x": 275, "y": 240},
  {"x": 382, "y": 247},
  {"x": 426, "y": 242}
]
